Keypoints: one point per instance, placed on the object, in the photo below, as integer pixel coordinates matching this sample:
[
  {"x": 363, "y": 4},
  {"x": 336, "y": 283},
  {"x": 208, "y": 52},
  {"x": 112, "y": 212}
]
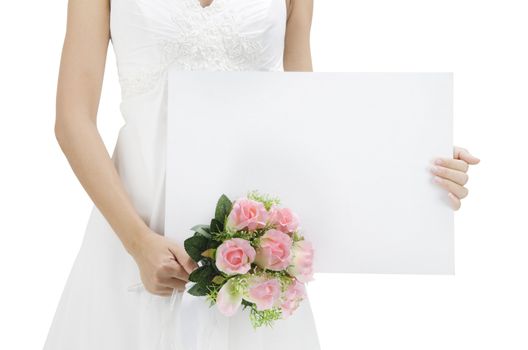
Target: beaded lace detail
[{"x": 202, "y": 38}]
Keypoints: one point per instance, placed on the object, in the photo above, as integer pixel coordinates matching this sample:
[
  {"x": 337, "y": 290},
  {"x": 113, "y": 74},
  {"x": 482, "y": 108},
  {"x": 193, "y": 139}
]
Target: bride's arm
[
  {"x": 297, "y": 53},
  {"x": 78, "y": 94}
]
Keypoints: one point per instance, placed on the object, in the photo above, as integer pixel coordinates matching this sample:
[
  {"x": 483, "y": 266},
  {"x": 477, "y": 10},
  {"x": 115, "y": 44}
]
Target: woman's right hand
[{"x": 162, "y": 263}]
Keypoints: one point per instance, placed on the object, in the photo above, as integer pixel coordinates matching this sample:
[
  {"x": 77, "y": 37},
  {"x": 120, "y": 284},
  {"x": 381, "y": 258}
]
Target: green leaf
[
  {"x": 246, "y": 303},
  {"x": 218, "y": 279},
  {"x": 202, "y": 230},
  {"x": 203, "y": 274},
  {"x": 196, "y": 227},
  {"x": 223, "y": 208},
  {"x": 216, "y": 226},
  {"x": 198, "y": 290},
  {"x": 209, "y": 253},
  {"x": 213, "y": 244},
  {"x": 195, "y": 246}
]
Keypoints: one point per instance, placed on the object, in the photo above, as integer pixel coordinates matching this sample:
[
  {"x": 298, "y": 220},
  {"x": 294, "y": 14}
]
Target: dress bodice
[{"x": 149, "y": 35}]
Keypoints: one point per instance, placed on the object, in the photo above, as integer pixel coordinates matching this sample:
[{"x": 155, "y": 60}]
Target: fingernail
[
  {"x": 437, "y": 179},
  {"x": 434, "y": 169},
  {"x": 439, "y": 161}
]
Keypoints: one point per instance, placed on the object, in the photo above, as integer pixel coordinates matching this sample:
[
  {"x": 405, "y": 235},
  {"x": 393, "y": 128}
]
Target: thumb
[
  {"x": 188, "y": 264},
  {"x": 463, "y": 154}
]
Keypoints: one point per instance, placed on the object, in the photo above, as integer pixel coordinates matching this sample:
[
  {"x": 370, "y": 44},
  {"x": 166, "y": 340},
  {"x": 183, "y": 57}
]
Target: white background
[{"x": 44, "y": 209}]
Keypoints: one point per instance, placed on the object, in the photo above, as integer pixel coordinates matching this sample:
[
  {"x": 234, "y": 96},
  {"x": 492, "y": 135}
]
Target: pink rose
[
  {"x": 235, "y": 256},
  {"x": 228, "y": 299},
  {"x": 265, "y": 293},
  {"x": 292, "y": 297},
  {"x": 247, "y": 213},
  {"x": 274, "y": 251},
  {"x": 302, "y": 262},
  {"x": 283, "y": 219}
]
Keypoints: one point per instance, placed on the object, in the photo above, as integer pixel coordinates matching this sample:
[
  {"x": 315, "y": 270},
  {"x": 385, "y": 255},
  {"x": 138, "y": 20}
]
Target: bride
[{"x": 124, "y": 242}]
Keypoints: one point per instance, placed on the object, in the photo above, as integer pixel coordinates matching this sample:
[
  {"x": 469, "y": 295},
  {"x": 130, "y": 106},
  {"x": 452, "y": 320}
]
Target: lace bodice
[{"x": 150, "y": 35}]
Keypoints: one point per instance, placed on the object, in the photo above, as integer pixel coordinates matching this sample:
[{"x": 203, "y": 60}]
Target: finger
[
  {"x": 456, "y": 176},
  {"x": 455, "y": 164},
  {"x": 463, "y": 154},
  {"x": 175, "y": 283},
  {"x": 165, "y": 293},
  {"x": 172, "y": 270},
  {"x": 455, "y": 202},
  {"x": 183, "y": 258},
  {"x": 454, "y": 188}
]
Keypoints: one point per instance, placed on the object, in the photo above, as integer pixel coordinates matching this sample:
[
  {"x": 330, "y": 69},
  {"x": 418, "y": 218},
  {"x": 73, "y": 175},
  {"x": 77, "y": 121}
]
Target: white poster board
[{"x": 348, "y": 152}]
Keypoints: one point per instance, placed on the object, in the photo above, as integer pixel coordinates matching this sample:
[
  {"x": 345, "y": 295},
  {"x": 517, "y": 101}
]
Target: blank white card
[{"x": 348, "y": 152}]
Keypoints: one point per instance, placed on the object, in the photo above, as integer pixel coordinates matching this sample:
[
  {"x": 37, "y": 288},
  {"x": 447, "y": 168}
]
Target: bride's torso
[{"x": 149, "y": 35}]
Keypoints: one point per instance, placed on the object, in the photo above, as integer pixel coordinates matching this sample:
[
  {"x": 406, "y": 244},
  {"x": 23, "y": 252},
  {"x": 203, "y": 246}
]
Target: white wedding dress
[{"x": 103, "y": 306}]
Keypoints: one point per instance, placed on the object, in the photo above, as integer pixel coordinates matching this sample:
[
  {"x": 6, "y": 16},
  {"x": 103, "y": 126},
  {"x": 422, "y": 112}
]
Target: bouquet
[{"x": 251, "y": 255}]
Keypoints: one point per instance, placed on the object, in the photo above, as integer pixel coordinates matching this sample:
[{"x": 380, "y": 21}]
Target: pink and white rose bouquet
[{"x": 252, "y": 256}]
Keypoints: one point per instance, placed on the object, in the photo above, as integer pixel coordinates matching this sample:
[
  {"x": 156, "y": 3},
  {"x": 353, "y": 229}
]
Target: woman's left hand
[{"x": 451, "y": 174}]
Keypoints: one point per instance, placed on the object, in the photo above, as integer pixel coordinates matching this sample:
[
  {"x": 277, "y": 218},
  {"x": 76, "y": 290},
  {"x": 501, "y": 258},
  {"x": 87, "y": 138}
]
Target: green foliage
[
  {"x": 218, "y": 279},
  {"x": 217, "y": 226},
  {"x": 265, "y": 199},
  {"x": 244, "y": 234},
  {"x": 251, "y": 236},
  {"x": 198, "y": 290},
  {"x": 202, "y": 230},
  {"x": 223, "y": 208},
  {"x": 195, "y": 245},
  {"x": 239, "y": 283},
  {"x": 246, "y": 303},
  {"x": 264, "y": 317},
  {"x": 209, "y": 253},
  {"x": 212, "y": 295},
  {"x": 196, "y": 227},
  {"x": 203, "y": 275},
  {"x": 297, "y": 237},
  {"x": 214, "y": 243}
]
